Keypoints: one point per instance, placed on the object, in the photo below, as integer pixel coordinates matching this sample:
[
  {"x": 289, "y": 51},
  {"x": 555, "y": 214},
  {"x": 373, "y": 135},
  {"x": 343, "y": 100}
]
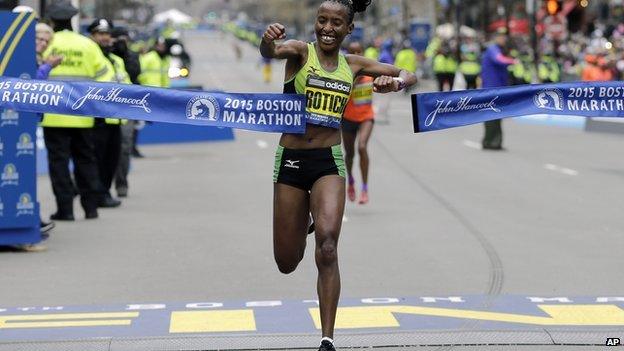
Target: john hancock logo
[
  {"x": 25, "y": 206},
  {"x": 114, "y": 96},
  {"x": 205, "y": 108},
  {"x": 25, "y": 145},
  {"x": 9, "y": 118},
  {"x": 549, "y": 99},
  {"x": 9, "y": 175},
  {"x": 463, "y": 104}
]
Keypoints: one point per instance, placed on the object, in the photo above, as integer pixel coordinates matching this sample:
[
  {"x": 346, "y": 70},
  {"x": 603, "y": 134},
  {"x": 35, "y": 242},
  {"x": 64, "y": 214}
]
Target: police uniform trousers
[
  {"x": 127, "y": 141},
  {"x": 107, "y": 139},
  {"x": 471, "y": 81},
  {"x": 445, "y": 78},
  {"x": 76, "y": 144},
  {"x": 493, "y": 138}
]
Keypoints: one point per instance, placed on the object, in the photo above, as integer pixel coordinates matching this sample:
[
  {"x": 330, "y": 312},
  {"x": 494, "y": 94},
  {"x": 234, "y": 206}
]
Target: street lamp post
[
  {"x": 531, "y": 6},
  {"x": 42, "y": 8},
  {"x": 457, "y": 30}
]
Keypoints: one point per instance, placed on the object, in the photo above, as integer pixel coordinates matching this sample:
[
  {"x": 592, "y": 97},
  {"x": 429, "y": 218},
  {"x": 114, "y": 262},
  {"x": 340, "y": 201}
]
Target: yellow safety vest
[
  {"x": 470, "y": 68},
  {"x": 154, "y": 70},
  {"x": 444, "y": 64},
  {"x": 549, "y": 69},
  {"x": 406, "y": 59},
  {"x": 372, "y": 53},
  {"x": 82, "y": 60},
  {"x": 116, "y": 74}
]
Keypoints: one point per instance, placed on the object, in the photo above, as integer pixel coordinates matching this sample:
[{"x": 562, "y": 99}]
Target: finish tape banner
[
  {"x": 276, "y": 113},
  {"x": 435, "y": 111}
]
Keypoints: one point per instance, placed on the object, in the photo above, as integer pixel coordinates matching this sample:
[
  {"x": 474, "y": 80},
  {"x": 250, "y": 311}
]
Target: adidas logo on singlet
[{"x": 338, "y": 86}]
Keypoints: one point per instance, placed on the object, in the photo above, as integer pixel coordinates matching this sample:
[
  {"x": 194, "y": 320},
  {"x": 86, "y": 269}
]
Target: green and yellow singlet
[{"x": 327, "y": 92}]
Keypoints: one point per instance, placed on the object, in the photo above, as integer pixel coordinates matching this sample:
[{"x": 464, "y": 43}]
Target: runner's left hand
[{"x": 385, "y": 84}]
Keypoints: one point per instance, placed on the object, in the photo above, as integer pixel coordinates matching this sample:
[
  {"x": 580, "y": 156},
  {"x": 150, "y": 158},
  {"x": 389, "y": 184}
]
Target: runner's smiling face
[{"x": 331, "y": 25}]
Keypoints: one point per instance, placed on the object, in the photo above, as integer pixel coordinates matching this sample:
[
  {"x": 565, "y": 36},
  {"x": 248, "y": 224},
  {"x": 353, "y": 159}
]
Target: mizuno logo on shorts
[{"x": 291, "y": 164}]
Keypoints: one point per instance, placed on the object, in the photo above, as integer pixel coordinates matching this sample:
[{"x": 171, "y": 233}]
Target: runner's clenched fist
[{"x": 274, "y": 32}]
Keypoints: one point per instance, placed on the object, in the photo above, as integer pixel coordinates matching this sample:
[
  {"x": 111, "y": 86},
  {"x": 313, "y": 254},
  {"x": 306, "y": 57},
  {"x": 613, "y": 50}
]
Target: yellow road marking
[
  {"x": 67, "y": 320},
  {"x": 212, "y": 321},
  {"x": 383, "y": 316}
]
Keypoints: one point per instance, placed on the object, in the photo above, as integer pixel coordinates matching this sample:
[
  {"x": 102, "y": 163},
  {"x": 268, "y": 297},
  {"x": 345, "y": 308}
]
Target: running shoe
[
  {"x": 326, "y": 345},
  {"x": 46, "y": 227},
  {"x": 31, "y": 248},
  {"x": 351, "y": 192},
  {"x": 363, "y": 198}
]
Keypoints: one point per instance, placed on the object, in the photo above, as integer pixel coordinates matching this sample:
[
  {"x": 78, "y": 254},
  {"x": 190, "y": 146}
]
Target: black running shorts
[{"x": 302, "y": 167}]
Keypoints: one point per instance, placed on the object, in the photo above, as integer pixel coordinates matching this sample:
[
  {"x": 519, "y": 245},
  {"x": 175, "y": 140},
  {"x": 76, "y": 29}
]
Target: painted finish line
[{"x": 301, "y": 317}]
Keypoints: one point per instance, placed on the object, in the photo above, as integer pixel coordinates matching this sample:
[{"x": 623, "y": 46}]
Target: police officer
[
  {"x": 517, "y": 70},
  {"x": 70, "y": 137},
  {"x": 470, "y": 68},
  {"x": 548, "y": 70},
  {"x": 154, "y": 72},
  {"x": 121, "y": 43},
  {"x": 155, "y": 66},
  {"x": 406, "y": 59},
  {"x": 444, "y": 68},
  {"x": 107, "y": 132}
]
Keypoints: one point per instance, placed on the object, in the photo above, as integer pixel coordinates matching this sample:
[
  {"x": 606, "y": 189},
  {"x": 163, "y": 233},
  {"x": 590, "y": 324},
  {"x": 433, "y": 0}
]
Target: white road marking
[
  {"x": 562, "y": 170},
  {"x": 262, "y": 144},
  {"x": 569, "y": 171},
  {"x": 472, "y": 144},
  {"x": 551, "y": 167}
]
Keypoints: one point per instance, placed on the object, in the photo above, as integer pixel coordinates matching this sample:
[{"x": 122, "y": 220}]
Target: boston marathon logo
[
  {"x": 9, "y": 175},
  {"x": 549, "y": 99},
  {"x": 25, "y": 145},
  {"x": 114, "y": 96},
  {"x": 1, "y": 148},
  {"x": 25, "y": 206},
  {"x": 204, "y": 108},
  {"x": 245, "y": 112},
  {"x": 1, "y": 208},
  {"x": 9, "y": 118},
  {"x": 32, "y": 93},
  {"x": 464, "y": 104},
  {"x": 602, "y": 99}
]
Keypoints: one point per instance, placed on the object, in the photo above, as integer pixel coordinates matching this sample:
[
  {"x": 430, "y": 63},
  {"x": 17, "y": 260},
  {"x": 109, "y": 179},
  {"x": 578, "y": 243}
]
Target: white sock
[{"x": 328, "y": 339}]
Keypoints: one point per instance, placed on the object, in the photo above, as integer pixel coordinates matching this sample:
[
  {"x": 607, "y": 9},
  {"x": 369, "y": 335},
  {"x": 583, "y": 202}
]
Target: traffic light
[{"x": 553, "y": 7}]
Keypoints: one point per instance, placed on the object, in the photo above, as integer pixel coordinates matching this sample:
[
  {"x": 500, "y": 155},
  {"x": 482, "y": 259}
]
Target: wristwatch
[{"x": 401, "y": 82}]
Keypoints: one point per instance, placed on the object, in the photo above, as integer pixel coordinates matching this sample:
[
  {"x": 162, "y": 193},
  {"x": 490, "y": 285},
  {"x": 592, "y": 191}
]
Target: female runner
[{"x": 309, "y": 174}]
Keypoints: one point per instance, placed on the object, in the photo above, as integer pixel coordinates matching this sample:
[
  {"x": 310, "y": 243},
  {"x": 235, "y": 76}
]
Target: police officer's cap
[
  {"x": 100, "y": 25},
  {"x": 61, "y": 10},
  {"x": 119, "y": 31}
]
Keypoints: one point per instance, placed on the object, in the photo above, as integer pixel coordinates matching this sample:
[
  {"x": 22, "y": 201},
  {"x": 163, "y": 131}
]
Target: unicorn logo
[
  {"x": 549, "y": 99},
  {"x": 203, "y": 108},
  {"x": 10, "y": 176},
  {"x": 9, "y": 118},
  {"x": 25, "y": 205},
  {"x": 25, "y": 146}
]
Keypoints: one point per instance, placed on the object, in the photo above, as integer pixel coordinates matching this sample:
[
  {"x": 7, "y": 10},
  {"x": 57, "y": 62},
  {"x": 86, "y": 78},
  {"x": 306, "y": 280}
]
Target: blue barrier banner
[
  {"x": 278, "y": 113},
  {"x": 435, "y": 111},
  {"x": 19, "y": 209}
]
